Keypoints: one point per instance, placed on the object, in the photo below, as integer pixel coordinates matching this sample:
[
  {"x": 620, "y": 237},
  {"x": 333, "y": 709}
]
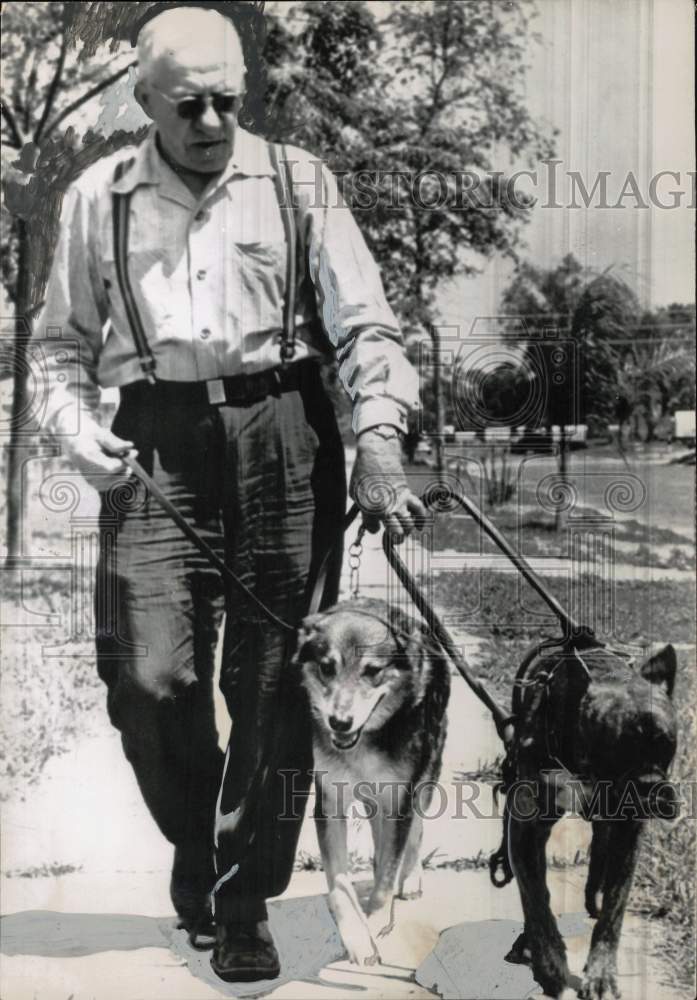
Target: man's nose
[
  {"x": 209, "y": 119},
  {"x": 343, "y": 725}
]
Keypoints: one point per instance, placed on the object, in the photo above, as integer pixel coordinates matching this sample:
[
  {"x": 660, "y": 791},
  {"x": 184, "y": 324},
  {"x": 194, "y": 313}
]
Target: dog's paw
[
  {"x": 352, "y": 925},
  {"x": 520, "y": 952},
  {"x": 600, "y": 979},
  {"x": 362, "y": 952},
  {"x": 550, "y": 969},
  {"x": 411, "y": 887}
]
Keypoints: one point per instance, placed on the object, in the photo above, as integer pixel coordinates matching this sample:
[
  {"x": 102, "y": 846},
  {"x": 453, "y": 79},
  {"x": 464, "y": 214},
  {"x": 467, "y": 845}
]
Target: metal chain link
[{"x": 355, "y": 553}]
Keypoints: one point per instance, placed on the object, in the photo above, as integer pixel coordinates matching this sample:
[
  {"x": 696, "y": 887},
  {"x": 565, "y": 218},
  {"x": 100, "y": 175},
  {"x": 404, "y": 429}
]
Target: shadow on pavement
[
  {"x": 51, "y": 934},
  {"x": 305, "y": 934},
  {"x": 468, "y": 960}
]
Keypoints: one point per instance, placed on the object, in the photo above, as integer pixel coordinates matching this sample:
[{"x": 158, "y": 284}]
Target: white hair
[{"x": 197, "y": 33}]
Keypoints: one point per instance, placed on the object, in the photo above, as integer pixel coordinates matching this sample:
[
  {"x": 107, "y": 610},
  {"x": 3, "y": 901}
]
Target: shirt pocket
[{"x": 262, "y": 270}]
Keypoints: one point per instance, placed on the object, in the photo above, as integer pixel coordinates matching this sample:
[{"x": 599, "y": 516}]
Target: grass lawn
[
  {"x": 658, "y": 533},
  {"x": 45, "y": 702}
]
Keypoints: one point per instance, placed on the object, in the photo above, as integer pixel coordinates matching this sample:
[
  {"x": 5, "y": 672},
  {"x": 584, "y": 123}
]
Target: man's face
[{"x": 203, "y": 139}]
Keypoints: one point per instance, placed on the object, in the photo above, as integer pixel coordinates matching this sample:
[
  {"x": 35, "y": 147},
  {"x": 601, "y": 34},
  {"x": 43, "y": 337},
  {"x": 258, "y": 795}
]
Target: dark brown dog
[{"x": 593, "y": 734}]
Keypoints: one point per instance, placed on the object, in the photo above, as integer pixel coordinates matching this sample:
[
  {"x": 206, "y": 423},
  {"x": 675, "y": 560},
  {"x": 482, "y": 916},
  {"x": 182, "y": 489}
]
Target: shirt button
[
  {"x": 201, "y": 274},
  {"x": 205, "y": 333}
]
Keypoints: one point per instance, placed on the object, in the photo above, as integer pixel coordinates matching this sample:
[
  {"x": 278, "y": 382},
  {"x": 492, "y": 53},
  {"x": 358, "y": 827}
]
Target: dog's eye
[{"x": 373, "y": 673}]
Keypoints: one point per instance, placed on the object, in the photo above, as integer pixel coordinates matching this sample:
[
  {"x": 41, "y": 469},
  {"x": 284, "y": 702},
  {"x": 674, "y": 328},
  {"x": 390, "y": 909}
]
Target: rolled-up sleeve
[
  {"x": 373, "y": 367},
  {"x": 72, "y": 321}
]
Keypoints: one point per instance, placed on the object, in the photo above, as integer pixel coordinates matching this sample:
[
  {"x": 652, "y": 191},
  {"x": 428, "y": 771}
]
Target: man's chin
[{"x": 208, "y": 158}]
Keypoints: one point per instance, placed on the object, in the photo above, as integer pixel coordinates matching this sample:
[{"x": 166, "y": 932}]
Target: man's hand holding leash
[
  {"x": 98, "y": 454},
  {"x": 379, "y": 486}
]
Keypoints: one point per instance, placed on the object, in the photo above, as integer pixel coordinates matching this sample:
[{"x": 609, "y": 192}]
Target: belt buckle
[{"x": 215, "y": 387}]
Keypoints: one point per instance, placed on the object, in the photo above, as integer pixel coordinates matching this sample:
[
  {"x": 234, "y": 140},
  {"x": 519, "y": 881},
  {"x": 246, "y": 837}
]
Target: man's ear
[
  {"x": 661, "y": 668},
  {"x": 140, "y": 92}
]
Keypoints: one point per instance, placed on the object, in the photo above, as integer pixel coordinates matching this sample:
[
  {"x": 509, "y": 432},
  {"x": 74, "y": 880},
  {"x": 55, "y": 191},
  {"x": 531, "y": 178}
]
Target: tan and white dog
[{"x": 378, "y": 690}]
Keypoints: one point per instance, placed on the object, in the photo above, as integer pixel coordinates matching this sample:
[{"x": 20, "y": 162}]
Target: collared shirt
[{"x": 208, "y": 277}]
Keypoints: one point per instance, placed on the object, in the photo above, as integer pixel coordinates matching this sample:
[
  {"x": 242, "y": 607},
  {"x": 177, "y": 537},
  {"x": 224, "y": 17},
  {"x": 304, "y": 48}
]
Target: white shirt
[{"x": 208, "y": 276}]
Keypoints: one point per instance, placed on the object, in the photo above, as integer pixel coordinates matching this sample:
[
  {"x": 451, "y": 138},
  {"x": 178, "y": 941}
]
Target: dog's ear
[
  {"x": 309, "y": 631},
  {"x": 661, "y": 668}
]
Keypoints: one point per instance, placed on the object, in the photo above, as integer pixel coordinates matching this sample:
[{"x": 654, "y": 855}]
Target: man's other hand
[
  {"x": 98, "y": 455},
  {"x": 379, "y": 486}
]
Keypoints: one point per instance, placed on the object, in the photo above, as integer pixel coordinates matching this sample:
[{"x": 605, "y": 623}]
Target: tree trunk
[{"x": 17, "y": 451}]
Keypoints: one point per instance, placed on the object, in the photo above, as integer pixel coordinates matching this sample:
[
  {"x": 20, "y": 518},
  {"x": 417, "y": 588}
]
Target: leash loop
[{"x": 355, "y": 553}]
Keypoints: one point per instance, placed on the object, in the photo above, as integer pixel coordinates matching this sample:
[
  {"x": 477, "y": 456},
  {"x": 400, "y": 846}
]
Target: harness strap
[
  {"x": 121, "y": 212},
  {"x": 283, "y": 182}
]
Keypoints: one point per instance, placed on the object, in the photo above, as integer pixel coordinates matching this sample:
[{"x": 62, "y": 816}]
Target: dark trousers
[{"x": 264, "y": 484}]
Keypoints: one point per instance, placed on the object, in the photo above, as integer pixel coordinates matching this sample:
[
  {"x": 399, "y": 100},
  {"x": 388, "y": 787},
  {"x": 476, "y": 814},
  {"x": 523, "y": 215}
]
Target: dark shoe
[{"x": 244, "y": 953}]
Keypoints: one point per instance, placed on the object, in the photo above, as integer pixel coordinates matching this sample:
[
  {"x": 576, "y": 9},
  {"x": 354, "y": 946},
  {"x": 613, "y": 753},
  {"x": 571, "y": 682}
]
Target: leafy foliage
[
  {"x": 626, "y": 363},
  {"x": 401, "y": 110}
]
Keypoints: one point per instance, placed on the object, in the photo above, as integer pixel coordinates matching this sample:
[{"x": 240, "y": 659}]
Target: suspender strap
[
  {"x": 283, "y": 183},
  {"x": 121, "y": 207}
]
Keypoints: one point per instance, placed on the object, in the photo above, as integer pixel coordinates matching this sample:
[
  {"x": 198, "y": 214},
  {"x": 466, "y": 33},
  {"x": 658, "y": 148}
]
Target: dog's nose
[{"x": 340, "y": 725}]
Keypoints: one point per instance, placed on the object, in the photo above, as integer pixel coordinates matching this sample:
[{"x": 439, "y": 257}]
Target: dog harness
[
  {"x": 121, "y": 207},
  {"x": 558, "y": 751}
]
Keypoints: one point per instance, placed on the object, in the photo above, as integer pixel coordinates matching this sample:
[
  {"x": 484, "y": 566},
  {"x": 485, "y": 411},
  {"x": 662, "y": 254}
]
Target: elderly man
[{"x": 169, "y": 278}]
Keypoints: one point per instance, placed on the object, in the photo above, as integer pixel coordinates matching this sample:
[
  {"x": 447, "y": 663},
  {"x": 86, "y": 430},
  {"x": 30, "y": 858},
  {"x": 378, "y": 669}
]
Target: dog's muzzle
[{"x": 342, "y": 733}]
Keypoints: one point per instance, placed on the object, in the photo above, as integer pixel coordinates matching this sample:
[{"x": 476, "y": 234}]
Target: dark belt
[{"x": 232, "y": 390}]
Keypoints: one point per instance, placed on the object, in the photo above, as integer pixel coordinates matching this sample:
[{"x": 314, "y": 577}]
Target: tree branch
[
  {"x": 54, "y": 84},
  {"x": 29, "y": 93},
  {"x": 87, "y": 96},
  {"x": 18, "y": 138}
]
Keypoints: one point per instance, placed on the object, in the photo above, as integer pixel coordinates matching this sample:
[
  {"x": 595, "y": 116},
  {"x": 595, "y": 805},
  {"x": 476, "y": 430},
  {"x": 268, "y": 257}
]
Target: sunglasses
[{"x": 190, "y": 108}]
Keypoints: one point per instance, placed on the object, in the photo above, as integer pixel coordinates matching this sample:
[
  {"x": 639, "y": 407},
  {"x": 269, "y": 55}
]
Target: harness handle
[
  {"x": 569, "y": 625},
  {"x": 503, "y": 720}
]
